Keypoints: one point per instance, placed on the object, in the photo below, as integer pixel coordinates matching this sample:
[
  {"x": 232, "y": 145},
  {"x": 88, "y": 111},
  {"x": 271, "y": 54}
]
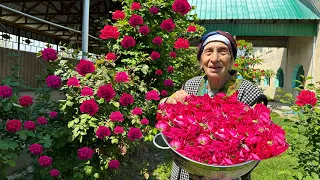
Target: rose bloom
[
  {"x": 137, "y": 111},
  {"x": 85, "y": 153},
  {"x": 154, "y": 10},
  {"x": 45, "y": 161},
  {"x": 53, "y": 81},
  {"x": 109, "y": 32},
  {"x": 116, "y": 116},
  {"x": 13, "y": 125},
  {"x": 114, "y": 164},
  {"x": 167, "y": 25},
  {"x": 29, "y": 125},
  {"x": 36, "y": 149},
  {"x": 181, "y": 43},
  {"x": 144, "y": 30},
  {"x": 192, "y": 28},
  {"x": 73, "y": 81},
  {"x": 157, "y": 40},
  {"x": 84, "y": 67},
  {"x": 53, "y": 114},
  {"x": 86, "y": 91},
  {"x": 128, "y": 42},
  {"x": 102, "y": 132},
  {"x": 49, "y": 54},
  {"x": 25, "y": 101},
  {"x": 144, "y": 121},
  {"x": 173, "y": 54},
  {"x": 181, "y": 6},
  {"x": 306, "y": 97},
  {"x": 135, "y": 6},
  {"x": 122, "y": 77},
  {"x": 5, "y": 91},
  {"x": 118, "y": 15},
  {"x": 134, "y": 133},
  {"x": 118, "y": 130},
  {"x": 111, "y": 56},
  {"x": 126, "y": 99},
  {"x": 158, "y": 72},
  {"x": 90, "y": 107},
  {"x": 152, "y": 95},
  {"x": 236, "y": 65},
  {"x": 42, "y": 120},
  {"x": 170, "y": 69},
  {"x": 106, "y": 92},
  {"x": 168, "y": 83},
  {"x": 135, "y": 20},
  {"x": 54, "y": 173},
  {"x": 164, "y": 93},
  {"x": 155, "y": 55}
]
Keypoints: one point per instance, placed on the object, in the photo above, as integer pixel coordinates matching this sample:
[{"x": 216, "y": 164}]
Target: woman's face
[{"x": 216, "y": 59}]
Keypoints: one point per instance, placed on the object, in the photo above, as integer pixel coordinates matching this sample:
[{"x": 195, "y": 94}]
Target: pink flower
[
  {"x": 135, "y": 20},
  {"x": 126, "y": 99},
  {"x": 25, "y": 101},
  {"x": 85, "y": 153},
  {"x": 114, "y": 164},
  {"x": 135, "y": 6},
  {"x": 168, "y": 83},
  {"x": 158, "y": 72},
  {"x": 85, "y": 67},
  {"x": 54, "y": 173},
  {"x": 181, "y": 43},
  {"x": 176, "y": 144},
  {"x": 154, "y": 10},
  {"x": 73, "y": 81},
  {"x": 144, "y": 121},
  {"x": 5, "y": 91},
  {"x": 167, "y": 25},
  {"x": 181, "y": 6},
  {"x": 118, "y": 15},
  {"x": 173, "y": 54},
  {"x": 13, "y": 125},
  {"x": 29, "y": 125},
  {"x": 103, "y": 132},
  {"x": 203, "y": 139},
  {"x": 118, "y": 130},
  {"x": 116, "y": 116},
  {"x": 122, "y": 77},
  {"x": 155, "y": 55},
  {"x": 137, "y": 111},
  {"x": 106, "y": 92},
  {"x": 164, "y": 93},
  {"x": 90, "y": 107},
  {"x": 49, "y": 54},
  {"x": 134, "y": 133},
  {"x": 192, "y": 28},
  {"x": 144, "y": 30},
  {"x": 86, "y": 91},
  {"x": 45, "y": 161},
  {"x": 53, "y": 114},
  {"x": 152, "y": 95},
  {"x": 170, "y": 69},
  {"x": 306, "y": 97},
  {"x": 111, "y": 56},
  {"x": 157, "y": 40},
  {"x": 53, "y": 81},
  {"x": 42, "y": 120},
  {"x": 128, "y": 42},
  {"x": 109, "y": 32},
  {"x": 35, "y": 149}
]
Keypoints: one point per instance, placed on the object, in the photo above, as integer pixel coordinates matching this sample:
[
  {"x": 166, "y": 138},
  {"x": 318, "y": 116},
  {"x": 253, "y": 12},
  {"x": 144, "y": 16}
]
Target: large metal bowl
[{"x": 208, "y": 171}]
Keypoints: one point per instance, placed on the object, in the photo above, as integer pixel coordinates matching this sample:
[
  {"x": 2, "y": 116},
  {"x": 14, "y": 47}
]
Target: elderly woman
[{"x": 216, "y": 54}]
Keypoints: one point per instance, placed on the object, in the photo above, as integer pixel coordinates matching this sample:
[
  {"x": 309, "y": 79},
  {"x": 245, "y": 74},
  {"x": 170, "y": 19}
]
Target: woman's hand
[{"x": 178, "y": 96}]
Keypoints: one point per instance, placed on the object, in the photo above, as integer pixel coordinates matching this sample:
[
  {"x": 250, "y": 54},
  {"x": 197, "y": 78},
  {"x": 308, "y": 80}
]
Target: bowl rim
[{"x": 208, "y": 165}]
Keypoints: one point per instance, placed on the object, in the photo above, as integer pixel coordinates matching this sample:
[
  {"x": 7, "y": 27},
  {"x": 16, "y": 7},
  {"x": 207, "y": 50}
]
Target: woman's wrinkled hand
[{"x": 178, "y": 96}]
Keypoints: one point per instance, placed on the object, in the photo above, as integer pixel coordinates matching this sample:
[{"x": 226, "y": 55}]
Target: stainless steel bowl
[{"x": 208, "y": 171}]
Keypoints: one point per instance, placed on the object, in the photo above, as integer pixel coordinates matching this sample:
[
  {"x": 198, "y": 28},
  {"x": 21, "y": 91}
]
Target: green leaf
[
  {"x": 114, "y": 141},
  {"x": 23, "y": 135},
  {"x": 47, "y": 143},
  {"x": 96, "y": 175},
  {"x": 88, "y": 170},
  {"x": 314, "y": 175},
  {"x": 299, "y": 175},
  {"x": 7, "y": 106},
  {"x": 145, "y": 69},
  {"x": 71, "y": 123},
  {"x": 31, "y": 133},
  {"x": 69, "y": 103},
  {"x": 13, "y": 145},
  {"x": 12, "y": 163}
]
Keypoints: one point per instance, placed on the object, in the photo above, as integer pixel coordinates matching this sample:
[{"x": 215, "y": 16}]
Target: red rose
[
  {"x": 164, "y": 93},
  {"x": 73, "y": 81},
  {"x": 126, "y": 99},
  {"x": 158, "y": 72},
  {"x": 135, "y": 20},
  {"x": 106, "y": 92},
  {"x": 235, "y": 65},
  {"x": 49, "y": 54},
  {"x": 109, "y": 32},
  {"x": 122, "y": 77},
  {"x": 167, "y": 25},
  {"x": 45, "y": 161},
  {"x": 118, "y": 15},
  {"x": 306, "y": 97},
  {"x": 127, "y": 42},
  {"x": 13, "y": 126},
  {"x": 181, "y": 43},
  {"x": 114, "y": 164},
  {"x": 157, "y": 40},
  {"x": 36, "y": 149},
  {"x": 42, "y": 120},
  {"x": 25, "y": 101},
  {"x": 135, "y": 6},
  {"x": 173, "y": 54},
  {"x": 85, "y": 67},
  {"x": 170, "y": 69},
  {"x": 144, "y": 30},
  {"x": 102, "y": 132},
  {"x": 154, "y": 10},
  {"x": 181, "y": 6},
  {"x": 5, "y": 91},
  {"x": 54, "y": 173},
  {"x": 134, "y": 133},
  {"x": 192, "y": 28},
  {"x": 168, "y": 83},
  {"x": 29, "y": 125},
  {"x": 152, "y": 95},
  {"x": 155, "y": 55},
  {"x": 111, "y": 56},
  {"x": 53, "y": 81},
  {"x": 90, "y": 107},
  {"x": 85, "y": 153}
]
